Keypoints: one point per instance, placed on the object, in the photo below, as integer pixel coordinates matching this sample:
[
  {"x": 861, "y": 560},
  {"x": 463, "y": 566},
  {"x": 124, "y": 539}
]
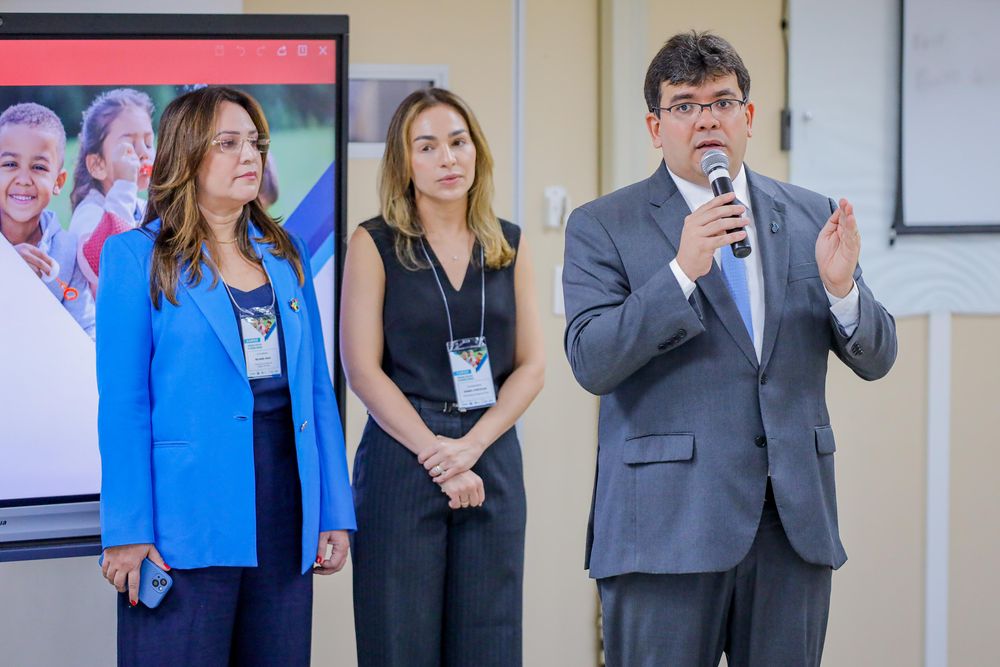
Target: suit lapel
[
  {"x": 773, "y": 239},
  {"x": 286, "y": 289},
  {"x": 669, "y": 210}
]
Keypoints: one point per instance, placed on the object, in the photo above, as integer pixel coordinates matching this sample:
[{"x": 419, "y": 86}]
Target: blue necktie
[{"x": 735, "y": 272}]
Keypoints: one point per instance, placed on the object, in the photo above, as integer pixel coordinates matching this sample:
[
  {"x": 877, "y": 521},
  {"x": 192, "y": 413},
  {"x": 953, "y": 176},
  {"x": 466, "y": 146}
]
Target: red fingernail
[
  {"x": 132, "y": 603},
  {"x": 319, "y": 560},
  {"x": 166, "y": 567}
]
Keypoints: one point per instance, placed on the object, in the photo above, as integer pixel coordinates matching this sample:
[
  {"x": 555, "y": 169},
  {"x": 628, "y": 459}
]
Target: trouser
[
  {"x": 771, "y": 610},
  {"x": 435, "y": 586},
  {"x": 239, "y": 616}
]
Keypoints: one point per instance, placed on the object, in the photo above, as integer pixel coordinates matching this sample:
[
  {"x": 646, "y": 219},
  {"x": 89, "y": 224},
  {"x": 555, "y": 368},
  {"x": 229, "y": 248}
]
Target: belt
[{"x": 446, "y": 407}]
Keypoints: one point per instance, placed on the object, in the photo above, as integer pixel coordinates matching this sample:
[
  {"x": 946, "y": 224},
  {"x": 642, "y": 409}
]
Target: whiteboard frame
[{"x": 899, "y": 226}]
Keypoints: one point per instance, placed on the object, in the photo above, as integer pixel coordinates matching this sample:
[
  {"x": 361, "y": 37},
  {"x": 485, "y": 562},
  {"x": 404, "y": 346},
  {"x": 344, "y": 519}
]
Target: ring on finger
[{"x": 436, "y": 471}]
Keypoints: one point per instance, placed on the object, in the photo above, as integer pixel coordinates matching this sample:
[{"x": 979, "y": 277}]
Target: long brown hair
[
  {"x": 395, "y": 186},
  {"x": 185, "y": 135}
]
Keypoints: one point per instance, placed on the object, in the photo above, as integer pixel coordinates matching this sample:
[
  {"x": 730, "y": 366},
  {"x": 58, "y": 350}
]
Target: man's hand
[
  {"x": 837, "y": 250},
  {"x": 706, "y": 230},
  {"x": 464, "y": 490},
  {"x": 449, "y": 457}
]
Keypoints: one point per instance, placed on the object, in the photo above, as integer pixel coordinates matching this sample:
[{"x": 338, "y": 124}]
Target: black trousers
[
  {"x": 771, "y": 610},
  {"x": 237, "y": 616},
  {"x": 434, "y": 586}
]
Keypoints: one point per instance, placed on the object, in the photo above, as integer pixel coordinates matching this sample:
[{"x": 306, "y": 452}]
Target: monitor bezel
[{"x": 71, "y": 26}]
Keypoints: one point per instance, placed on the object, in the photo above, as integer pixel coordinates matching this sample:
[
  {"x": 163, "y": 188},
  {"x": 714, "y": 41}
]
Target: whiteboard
[{"x": 950, "y": 107}]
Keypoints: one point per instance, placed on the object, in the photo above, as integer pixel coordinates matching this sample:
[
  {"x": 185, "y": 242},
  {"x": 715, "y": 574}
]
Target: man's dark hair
[{"x": 691, "y": 58}]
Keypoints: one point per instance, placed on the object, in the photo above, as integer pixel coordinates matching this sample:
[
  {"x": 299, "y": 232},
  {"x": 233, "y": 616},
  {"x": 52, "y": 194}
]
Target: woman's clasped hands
[{"x": 449, "y": 462}]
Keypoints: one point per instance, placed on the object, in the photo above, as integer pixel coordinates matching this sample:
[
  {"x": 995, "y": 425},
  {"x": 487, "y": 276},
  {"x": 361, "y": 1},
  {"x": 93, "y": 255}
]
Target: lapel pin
[
  {"x": 775, "y": 227},
  {"x": 294, "y": 305}
]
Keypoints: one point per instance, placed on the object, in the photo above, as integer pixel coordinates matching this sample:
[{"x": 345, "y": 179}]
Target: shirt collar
[{"x": 696, "y": 195}]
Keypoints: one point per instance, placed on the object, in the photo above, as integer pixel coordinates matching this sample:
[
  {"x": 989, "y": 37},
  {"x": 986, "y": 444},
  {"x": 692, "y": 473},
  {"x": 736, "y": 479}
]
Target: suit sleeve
[
  {"x": 870, "y": 350},
  {"x": 336, "y": 510},
  {"x": 613, "y": 330},
  {"x": 124, "y": 351}
]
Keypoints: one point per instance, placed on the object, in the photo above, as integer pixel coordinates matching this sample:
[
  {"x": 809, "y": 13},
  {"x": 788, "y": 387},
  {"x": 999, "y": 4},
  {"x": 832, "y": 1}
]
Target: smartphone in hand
[{"x": 154, "y": 583}]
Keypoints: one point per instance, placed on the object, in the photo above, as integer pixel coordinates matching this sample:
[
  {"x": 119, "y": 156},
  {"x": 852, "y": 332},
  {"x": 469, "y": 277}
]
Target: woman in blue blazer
[{"x": 221, "y": 447}]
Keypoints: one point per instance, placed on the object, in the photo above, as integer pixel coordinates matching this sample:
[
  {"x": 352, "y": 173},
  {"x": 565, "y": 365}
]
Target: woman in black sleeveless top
[{"x": 441, "y": 341}]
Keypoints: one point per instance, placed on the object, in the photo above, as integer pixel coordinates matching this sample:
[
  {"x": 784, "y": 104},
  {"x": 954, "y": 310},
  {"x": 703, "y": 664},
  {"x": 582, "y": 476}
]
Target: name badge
[
  {"x": 260, "y": 344},
  {"x": 471, "y": 373}
]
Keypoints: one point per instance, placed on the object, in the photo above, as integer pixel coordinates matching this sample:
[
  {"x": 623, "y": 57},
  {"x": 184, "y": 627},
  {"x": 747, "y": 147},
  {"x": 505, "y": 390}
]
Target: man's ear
[
  {"x": 749, "y": 112},
  {"x": 653, "y": 125},
  {"x": 96, "y": 167},
  {"x": 60, "y": 182}
]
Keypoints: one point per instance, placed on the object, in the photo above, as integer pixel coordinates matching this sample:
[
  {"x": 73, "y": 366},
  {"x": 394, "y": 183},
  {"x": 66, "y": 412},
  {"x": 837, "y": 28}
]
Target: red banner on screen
[{"x": 116, "y": 62}]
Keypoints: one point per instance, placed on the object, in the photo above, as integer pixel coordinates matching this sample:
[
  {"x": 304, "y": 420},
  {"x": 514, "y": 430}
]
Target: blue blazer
[{"x": 175, "y": 415}]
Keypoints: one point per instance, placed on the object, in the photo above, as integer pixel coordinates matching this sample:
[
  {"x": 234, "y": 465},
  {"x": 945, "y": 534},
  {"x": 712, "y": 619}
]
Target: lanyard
[
  {"x": 240, "y": 308},
  {"x": 482, "y": 266}
]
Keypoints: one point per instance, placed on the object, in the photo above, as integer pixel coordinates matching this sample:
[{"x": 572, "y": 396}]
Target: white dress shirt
[{"x": 846, "y": 310}]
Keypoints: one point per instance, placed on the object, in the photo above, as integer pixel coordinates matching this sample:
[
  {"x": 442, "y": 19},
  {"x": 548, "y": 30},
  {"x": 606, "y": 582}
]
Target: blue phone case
[{"x": 154, "y": 583}]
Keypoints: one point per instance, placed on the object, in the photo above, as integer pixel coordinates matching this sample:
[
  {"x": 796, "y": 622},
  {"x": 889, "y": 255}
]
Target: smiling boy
[{"x": 32, "y": 151}]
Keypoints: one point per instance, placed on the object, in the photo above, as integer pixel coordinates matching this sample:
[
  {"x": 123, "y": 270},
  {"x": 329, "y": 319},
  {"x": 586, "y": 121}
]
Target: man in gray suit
[{"x": 714, "y": 521}]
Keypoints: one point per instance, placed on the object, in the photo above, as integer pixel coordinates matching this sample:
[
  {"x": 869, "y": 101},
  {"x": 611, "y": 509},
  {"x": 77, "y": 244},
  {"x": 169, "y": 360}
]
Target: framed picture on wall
[{"x": 374, "y": 93}]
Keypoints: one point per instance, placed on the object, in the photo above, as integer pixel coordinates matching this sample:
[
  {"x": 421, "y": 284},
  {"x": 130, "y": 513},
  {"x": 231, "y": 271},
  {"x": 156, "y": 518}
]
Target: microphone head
[{"x": 714, "y": 159}]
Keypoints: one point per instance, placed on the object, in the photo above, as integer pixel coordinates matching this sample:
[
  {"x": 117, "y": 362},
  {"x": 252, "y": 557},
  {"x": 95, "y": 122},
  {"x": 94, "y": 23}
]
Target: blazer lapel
[
  {"x": 773, "y": 239},
  {"x": 669, "y": 210},
  {"x": 215, "y": 305},
  {"x": 286, "y": 289}
]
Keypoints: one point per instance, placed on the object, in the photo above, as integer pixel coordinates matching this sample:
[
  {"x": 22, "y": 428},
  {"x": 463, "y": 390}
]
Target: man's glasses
[
  {"x": 724, "y": 109},
  {"x": 233, "y": 144}
]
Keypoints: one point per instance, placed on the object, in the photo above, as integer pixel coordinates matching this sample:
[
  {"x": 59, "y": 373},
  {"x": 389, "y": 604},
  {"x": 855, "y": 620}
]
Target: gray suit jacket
[{"x": 690, "y": 423}]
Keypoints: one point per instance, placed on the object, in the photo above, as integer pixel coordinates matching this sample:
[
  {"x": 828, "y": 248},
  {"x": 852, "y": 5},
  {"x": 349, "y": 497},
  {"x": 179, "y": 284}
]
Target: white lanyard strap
[
  {"x": 240, "y": 308},
  {"x": 444, "y": 297}
]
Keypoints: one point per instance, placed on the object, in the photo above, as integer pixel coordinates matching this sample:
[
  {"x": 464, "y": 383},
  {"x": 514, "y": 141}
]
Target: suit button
[
  {"x": 763, "y": 378},
  {"x": 760, "y": 441},
  {"x": 303, "y": 426},
  {"x": 857, "y": 350},
  {"x": 661, "y": 346},
  {"x": 681, "y": 334}
]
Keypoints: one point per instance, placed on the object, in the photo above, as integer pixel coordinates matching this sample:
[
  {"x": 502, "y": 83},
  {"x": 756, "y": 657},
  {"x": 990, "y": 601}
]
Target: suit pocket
[
  {"x": 171, "y": 443},
  {"x": 802, "y": 271},
  {"x": 825, "y": 443},
  {"x": 656, "y": 448}
]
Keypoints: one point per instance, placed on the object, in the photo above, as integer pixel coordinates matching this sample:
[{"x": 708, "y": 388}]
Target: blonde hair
[
  {"x": 186, "y": 131},
  {"x": 396, "y": 193}
]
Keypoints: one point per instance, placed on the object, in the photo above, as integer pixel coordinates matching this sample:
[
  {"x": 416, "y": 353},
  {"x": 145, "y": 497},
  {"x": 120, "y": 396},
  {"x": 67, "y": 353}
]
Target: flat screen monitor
[{"x": 107, "y": 79}]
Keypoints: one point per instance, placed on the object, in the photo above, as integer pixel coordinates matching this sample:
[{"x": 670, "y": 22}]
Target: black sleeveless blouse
[{"x": 415, "y": 325}]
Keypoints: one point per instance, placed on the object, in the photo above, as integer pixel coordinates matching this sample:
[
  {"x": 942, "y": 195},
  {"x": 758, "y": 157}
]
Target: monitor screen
[{"x": 89, "y": 106}]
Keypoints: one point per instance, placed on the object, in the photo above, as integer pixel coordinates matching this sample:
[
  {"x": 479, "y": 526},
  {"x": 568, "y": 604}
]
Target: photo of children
[
  {"x": 32, "y": 155},
  {"x": 112, "y": 168},
  {"x": 474, "y": 357},
  {"x": 106, "y": 166}
]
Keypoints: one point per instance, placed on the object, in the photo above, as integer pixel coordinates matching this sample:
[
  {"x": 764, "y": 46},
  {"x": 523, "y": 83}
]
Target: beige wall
[{"x": 974, "y": 605}]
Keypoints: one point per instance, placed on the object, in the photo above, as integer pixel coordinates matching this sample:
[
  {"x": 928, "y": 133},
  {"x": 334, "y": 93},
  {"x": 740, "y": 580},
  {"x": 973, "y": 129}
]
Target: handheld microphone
[{"x": 715, "y": 165}]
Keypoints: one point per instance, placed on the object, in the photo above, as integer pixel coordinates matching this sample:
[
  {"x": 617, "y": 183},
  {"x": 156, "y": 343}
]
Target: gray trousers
[{"x": 771, "y": 610}]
